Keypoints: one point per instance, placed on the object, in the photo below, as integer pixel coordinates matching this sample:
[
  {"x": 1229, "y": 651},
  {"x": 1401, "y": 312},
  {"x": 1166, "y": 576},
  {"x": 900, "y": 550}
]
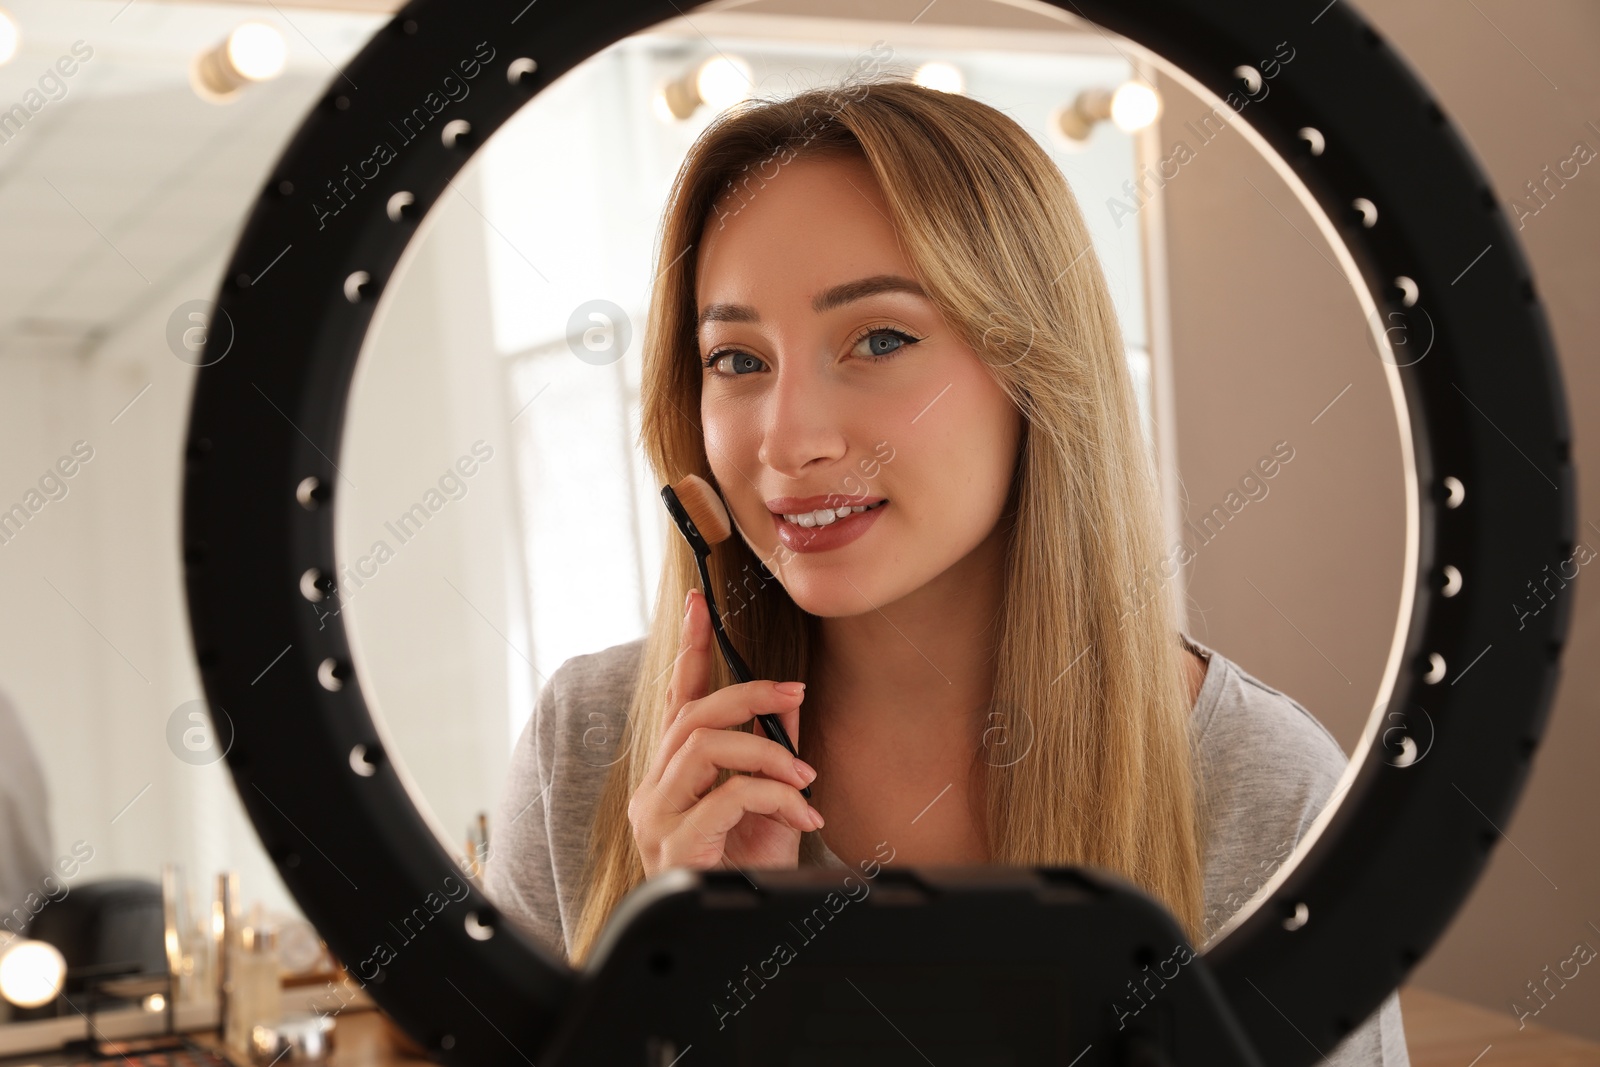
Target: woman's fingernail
[
  {"x": 803, "y": 769},
  {"x": 816, "y": 816},
  {"x": 790, "y": 689}
]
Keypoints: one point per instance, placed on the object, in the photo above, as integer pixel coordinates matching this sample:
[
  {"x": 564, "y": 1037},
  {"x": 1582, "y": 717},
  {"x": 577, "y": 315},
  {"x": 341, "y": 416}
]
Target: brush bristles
[{"x": 704, "y": 507}]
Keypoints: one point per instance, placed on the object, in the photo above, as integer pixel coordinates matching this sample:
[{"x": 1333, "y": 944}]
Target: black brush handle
[{"x": 741, "y": 670}]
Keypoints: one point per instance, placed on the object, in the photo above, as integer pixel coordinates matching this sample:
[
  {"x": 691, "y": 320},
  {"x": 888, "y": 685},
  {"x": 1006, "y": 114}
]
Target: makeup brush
[{"x": 703, "y": 520}]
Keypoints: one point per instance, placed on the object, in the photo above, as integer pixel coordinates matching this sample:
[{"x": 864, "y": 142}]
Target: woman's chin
[{"x": 833, "y": 594}]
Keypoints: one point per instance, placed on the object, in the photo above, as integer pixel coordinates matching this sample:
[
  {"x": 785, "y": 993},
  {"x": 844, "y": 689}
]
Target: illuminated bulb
[
  {"x": 719, "y": 82},
  {"x": 155, "y": 1002},
  {"x": 661, "y": 107},
  {"x": 31, "y": 973},
  {"x": 941, "y": 76},
  {"x": 8, "y": 36},
  {"x": 723, "y": 81},
  {"x": 256, "y": 51},
  {"x": 1135, "y": 105},
  {"x": 253, "y": 52}
]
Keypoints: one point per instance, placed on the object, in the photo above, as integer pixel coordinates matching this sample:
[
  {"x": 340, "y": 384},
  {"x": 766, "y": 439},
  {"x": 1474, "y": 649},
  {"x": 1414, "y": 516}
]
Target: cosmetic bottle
[{"x": 254, "y": 993}]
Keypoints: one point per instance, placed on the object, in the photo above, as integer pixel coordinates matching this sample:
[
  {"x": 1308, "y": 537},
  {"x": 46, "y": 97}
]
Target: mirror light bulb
[
  {"x": 1135, "y": 105},
  {"x": 723, "y": 81},
  {"x": 661, "y": 108},
  {"x": 256, "y": 50},
  {"x": 31, "y": 973},
  {"x": 8, "y": 36},
  {"x": 941, "y": 76}
]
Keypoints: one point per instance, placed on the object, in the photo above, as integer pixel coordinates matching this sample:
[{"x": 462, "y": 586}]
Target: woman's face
[{"x": 834, "y": 379}]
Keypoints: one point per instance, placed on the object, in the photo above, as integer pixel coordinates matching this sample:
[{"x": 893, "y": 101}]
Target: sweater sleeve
[
  {"x": 538, "y": 864},
  {"x": 519, "y": 877},
  {"x": 1269, "y": 767}
]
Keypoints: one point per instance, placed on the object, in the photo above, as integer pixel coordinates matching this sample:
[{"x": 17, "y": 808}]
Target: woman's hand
[{"x": 752, "y": 820}]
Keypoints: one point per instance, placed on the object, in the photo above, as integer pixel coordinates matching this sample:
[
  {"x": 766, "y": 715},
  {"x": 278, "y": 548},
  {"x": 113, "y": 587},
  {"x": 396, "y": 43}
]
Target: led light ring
[{"x": 1366, "y": 902}]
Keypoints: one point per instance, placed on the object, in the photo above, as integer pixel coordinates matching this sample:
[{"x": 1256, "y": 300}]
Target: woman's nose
[{"x": 802, "y": 420}]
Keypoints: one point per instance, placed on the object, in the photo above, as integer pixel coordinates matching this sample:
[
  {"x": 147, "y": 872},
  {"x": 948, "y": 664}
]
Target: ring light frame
[{"x": 1495, "y": 505}]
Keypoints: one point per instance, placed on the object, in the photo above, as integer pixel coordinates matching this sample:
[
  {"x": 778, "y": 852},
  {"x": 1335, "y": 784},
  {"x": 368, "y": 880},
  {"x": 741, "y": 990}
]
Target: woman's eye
[
  {"x": 881, "y": 343},
  {"x": 884, "y": 342},
  {"x": 736, "y": 360}
]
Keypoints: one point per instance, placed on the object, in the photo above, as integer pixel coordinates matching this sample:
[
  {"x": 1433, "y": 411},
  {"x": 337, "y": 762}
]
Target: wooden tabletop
[
  {"x": 1444, "y": 1032},
  {"x": 1440, "y": 1031},
  {"x": 369, "y": 1039}
]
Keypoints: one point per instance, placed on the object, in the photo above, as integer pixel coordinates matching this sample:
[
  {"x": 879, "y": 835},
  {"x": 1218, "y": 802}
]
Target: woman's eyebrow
[{"x": 826, "y": 300}]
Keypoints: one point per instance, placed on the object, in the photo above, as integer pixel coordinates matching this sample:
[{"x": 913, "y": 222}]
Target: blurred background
[{"x": 135, "y": 135}]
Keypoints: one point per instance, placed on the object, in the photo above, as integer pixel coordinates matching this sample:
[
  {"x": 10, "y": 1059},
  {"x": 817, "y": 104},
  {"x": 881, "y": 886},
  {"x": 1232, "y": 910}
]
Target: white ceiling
[{"x": 113, "y": 194}]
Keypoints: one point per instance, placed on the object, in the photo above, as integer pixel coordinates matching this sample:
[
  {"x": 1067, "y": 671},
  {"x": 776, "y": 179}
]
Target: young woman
[{"x": 886, "y": 295}]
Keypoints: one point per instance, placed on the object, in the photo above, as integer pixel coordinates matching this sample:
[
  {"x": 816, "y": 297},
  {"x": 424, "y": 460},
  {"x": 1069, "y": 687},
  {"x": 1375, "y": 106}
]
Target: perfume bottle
[
  {"x": 251, "y": 990},
  {"x": 185, "y": 937}
]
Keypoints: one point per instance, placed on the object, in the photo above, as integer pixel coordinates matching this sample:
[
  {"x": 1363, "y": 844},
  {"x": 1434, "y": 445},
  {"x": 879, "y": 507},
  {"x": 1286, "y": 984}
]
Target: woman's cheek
[{"x": 726, "y": 448}]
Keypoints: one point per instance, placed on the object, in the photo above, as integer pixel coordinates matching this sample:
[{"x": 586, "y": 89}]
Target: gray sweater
[{"x": 1261, "y": 797}]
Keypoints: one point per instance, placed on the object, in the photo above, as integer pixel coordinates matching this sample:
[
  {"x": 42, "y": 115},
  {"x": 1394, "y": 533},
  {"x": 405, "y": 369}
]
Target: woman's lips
[{"x": 836, "y": 534}]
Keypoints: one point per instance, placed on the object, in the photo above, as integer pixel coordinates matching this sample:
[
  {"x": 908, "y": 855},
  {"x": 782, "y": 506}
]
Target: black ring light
[{"x": 1495, "y": 504}]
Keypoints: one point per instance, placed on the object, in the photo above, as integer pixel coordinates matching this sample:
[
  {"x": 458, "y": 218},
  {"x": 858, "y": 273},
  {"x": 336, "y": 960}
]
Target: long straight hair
[{"x": 1090, "y": 761}]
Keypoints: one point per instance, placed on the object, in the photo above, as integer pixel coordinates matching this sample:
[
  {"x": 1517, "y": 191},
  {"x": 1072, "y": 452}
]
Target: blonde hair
[{"x": 998, "y": 242}]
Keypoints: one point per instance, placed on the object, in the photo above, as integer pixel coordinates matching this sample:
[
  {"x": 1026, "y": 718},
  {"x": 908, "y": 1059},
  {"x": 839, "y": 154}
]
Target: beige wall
[
  {"x": 1263, "y": 338},
  {"x": 1270, "y": 356}
]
